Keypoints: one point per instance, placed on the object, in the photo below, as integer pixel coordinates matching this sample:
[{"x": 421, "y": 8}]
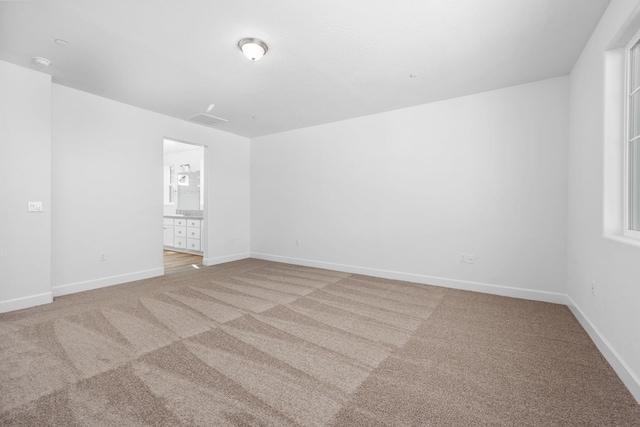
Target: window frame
[{"x": 626, "y": 209}]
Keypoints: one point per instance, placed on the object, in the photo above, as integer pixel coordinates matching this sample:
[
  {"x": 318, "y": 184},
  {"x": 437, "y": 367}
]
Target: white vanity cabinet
[
  {"x": 193, "y": 234},
  {"x": 186, "y": 234},
  {"x": 180, "y": 233},
  {"x": 167, "y": 227}
]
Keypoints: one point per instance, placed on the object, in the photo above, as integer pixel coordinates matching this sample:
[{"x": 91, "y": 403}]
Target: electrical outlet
[
  {"x": 471, "y": 259},
  {"x": 463, "y": 257},
  {"x": 103, "y": 256}
]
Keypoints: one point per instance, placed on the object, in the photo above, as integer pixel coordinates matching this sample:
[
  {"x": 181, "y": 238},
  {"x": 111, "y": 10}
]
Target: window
[
  {"x": 169, "y": 185},
  {"x": 632, "y": 140}
]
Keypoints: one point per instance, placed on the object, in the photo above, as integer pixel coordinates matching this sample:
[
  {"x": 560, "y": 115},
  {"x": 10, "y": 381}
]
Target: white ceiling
[{"x": 328, "y": 60}]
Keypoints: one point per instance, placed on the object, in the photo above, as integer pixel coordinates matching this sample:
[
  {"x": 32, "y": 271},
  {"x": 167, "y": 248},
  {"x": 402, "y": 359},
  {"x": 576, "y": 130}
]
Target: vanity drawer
[
  {"x": 193, "y": 232},
  {"x": 180, "y": 231},
  {"x": 180, "y": 242},
  {"x": 167, "y": 221},
  {"x": 193, "y": 244},
  {"x": 180, "y": 222},
  {"x": 193, "y": 223}
]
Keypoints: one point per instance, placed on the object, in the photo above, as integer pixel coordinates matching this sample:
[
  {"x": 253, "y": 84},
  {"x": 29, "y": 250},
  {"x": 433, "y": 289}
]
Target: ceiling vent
[{"x": 206, "y": 119}]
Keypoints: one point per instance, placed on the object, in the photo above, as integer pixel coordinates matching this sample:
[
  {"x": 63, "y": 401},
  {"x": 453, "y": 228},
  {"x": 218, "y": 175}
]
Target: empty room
[{"x": 331, "y": 213}]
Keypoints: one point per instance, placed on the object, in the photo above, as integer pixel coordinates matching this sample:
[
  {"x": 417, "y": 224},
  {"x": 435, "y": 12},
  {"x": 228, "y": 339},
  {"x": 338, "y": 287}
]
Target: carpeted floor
[{"x": 261, "y": 343}]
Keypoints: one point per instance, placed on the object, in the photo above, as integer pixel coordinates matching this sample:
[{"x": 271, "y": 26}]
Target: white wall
[
  {"x": 402, "y": 194},
  {"x": 190, "y": 157},
  {"x": 612, "y": 315},
  {"x": 25, "y": 175},
  {"x": 107, "y": 188}
]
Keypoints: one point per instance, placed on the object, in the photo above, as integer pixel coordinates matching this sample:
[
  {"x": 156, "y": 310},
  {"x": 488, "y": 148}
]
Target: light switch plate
[{"x": 35, "y": 206}]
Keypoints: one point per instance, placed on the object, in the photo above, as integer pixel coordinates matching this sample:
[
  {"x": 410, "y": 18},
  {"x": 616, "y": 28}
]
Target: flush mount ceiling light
[{"x": 254, "y": 49}]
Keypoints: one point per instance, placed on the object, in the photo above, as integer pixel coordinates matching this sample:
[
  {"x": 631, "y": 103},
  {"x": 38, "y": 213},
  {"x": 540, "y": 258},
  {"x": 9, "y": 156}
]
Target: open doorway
[{"x": 184, "y": 216}]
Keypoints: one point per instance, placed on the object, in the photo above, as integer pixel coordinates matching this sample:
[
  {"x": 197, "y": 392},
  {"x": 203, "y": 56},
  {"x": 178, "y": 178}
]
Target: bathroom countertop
[{"x": 183, "y": 216}]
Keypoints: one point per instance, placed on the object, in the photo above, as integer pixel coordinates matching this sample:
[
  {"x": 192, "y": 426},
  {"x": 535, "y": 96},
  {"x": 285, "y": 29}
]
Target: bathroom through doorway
[{"x": 184, "y": 185}]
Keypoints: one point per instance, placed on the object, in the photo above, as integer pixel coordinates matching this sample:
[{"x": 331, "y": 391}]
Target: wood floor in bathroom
[{"x": 176, "y": 261}]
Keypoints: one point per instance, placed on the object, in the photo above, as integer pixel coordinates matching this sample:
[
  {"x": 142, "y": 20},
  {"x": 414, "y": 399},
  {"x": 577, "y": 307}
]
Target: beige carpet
[{"x": 260, "y": 343}]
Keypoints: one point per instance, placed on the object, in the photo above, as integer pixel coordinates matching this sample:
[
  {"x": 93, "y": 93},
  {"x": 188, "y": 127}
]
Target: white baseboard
[
  {"x": 25, "y": 302},
  {"x": 486, "y": 288},
  {"x": 223, "y": 259},
  {"x": 88, "y": 285},
  {"x": 626, "y": 374}
]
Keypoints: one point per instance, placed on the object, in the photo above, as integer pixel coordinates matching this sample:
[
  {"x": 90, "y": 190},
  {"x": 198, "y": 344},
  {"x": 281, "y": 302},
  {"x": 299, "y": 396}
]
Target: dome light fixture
[{"x": 254, "y": 49}]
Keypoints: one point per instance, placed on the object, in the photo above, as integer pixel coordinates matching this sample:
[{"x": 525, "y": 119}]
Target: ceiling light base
[{"x": 254, "y": 49}]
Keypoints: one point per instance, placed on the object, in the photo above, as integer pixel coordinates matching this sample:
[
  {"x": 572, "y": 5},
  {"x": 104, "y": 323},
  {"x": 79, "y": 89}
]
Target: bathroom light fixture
[{"x": 254, "y": 49}]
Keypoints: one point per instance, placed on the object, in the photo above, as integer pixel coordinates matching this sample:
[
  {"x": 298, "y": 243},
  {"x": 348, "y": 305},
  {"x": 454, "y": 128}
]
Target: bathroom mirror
[
  {"x": 188, "y": 191},
  {"x": 183, "y": 182},
  {"x": 182, "y": 188}
]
